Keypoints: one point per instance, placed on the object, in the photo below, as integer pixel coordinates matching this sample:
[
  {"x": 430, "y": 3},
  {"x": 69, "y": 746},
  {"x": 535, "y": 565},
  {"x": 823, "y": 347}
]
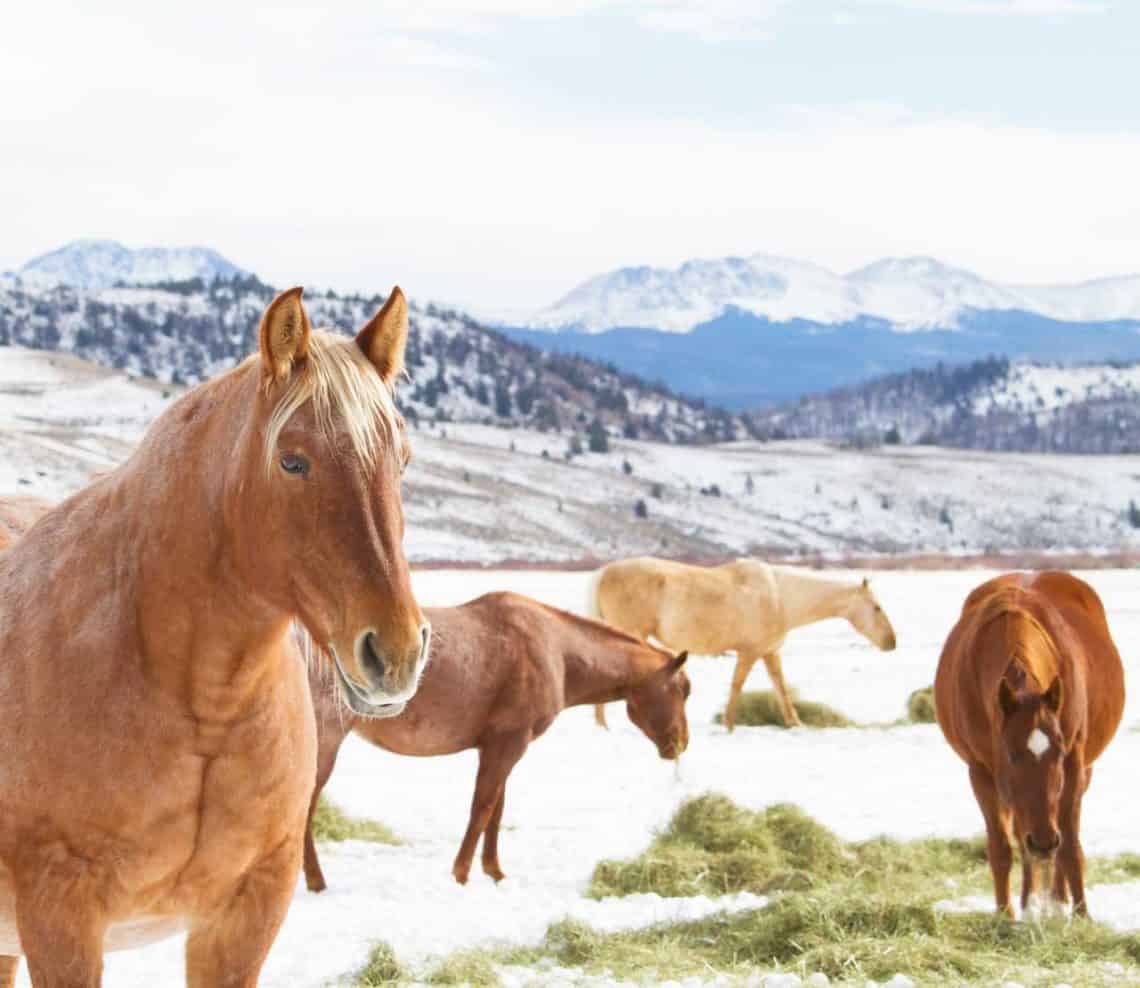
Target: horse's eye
[{"x": 292, "y": 463}]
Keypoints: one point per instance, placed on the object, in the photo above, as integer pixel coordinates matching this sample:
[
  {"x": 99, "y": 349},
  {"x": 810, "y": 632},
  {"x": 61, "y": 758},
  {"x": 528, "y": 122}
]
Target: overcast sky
[{"x": 493, "y": 153}]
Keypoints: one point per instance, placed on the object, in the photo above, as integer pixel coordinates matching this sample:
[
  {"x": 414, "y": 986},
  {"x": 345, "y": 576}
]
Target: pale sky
[{"x": 494, "y": 153}]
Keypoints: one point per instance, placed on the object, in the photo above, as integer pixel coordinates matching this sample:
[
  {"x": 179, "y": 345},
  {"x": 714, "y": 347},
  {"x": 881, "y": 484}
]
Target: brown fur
[
  {"x": 17, "y": 514},
  {"x": 503, "y": 667},
  {"x": 1031, "y": 653},
  {"x": 158, "y": 738},
  {"x": 746, "y": 606}
]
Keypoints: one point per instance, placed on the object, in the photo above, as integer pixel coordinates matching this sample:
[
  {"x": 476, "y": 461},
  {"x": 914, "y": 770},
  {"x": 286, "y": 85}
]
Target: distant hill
[
  {"x": 748, "y": 331},
  {"x": 991, "y": 404},
  {"x": 185, "y": 331},
  {"x": 94, "y": 264}
]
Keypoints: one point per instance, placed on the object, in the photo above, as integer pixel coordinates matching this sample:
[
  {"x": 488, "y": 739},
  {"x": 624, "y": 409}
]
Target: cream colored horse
[{"x": 746, "y": 606}]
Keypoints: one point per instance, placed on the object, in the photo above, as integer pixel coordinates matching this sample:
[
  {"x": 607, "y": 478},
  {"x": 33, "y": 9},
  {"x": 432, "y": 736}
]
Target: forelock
[{"x": 341, "y": 383}]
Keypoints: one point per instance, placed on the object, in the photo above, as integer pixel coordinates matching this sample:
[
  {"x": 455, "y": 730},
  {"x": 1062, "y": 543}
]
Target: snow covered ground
[
  {"x": 581, "y": 794},
  {"x": 482, "y": 494}
]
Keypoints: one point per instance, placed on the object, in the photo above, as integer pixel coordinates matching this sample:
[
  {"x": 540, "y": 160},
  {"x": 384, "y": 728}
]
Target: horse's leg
[
  {"x": 776, "y": 674},
  {"x": 331, "y": 738},
  {"x": 60, "y": 922},
  {"x": 491, "y": 864},
  {"x": 9, "y": 967},
  {"x": 496, "y": 759},
  {"x": 998, "y": 848},
  {"x": 744, "y": 664},
  {"x": 230, "y": 947},
  {"x": 600, "y": 715},
  {"x": 1069, "y": 869}
]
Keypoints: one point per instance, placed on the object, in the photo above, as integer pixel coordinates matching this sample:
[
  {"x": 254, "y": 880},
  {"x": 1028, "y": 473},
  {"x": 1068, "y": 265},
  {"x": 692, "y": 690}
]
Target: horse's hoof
[
  {"x": 493, "y": 871},
  {"x": 316, "y": 884},
  {"x": 461, "y": 874}
]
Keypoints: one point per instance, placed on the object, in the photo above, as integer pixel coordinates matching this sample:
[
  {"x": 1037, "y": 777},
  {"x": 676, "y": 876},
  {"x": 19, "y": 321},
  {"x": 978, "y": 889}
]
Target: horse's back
[
  {"x": 17, "y": 515},
  {"x": 1100, "y": 665},
  {"x": 1090, "y": 668}
]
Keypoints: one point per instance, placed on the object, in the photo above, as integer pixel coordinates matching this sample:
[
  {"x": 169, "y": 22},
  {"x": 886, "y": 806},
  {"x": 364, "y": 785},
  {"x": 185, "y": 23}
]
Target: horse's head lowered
[
  {"x": 869, "y": 619},
  {"x": 1030, "y": 758},
  {"x": 656, "y": 704},
  {"x": 319, "y": 518}
]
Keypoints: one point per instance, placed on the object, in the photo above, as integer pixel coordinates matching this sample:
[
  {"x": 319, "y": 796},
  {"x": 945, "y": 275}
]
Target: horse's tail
[{"x": 593, "y": 604}]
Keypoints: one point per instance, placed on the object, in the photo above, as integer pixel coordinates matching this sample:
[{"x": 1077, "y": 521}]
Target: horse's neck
[
  {"x": 204, "y": 635},
  {"x": 807, "y": 599},
  {"x": 600, "y": 668}
]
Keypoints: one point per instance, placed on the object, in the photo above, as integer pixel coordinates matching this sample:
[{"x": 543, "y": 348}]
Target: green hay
[
  {"x": 761, "y": 708},
  {"x": 465, "y": 967},
  {"x": 381, "y": 969},
  {"x": 920, "y": 706},
  {"x": 331, "y": 823},
  {"x": 853, "y": 911}
]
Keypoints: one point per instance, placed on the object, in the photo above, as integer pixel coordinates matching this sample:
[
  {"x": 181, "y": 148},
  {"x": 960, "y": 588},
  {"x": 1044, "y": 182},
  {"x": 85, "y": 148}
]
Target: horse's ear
[
  {"x": 677, "y": 661},
  {"x": 866, "y": 583},
  {"x": 1006, "y": 700},
  {"x": 1054, "y": 695},
  {"x": 283, "y": 336},
  {"x": 384, "y": 338}
]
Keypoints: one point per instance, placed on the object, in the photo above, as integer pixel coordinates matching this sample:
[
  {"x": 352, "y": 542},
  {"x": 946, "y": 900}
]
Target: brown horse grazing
[
  {"x": 503, "y": 667},
  {"x": 17, "y": 515},
  {"x": 1029, "y": 692},
  {"x": 157, "y": 733}
]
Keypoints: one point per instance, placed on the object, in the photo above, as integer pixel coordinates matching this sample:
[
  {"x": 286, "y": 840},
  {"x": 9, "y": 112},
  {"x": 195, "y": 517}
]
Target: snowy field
[
  {"x": 482, "y": 494},
  {"x": 581, "y": 794}
]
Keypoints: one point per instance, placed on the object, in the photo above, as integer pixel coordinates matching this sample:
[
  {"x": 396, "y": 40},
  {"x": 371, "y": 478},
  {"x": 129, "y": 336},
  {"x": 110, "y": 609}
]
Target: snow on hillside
[
  {"x": 1036, "y": 388},
  {"x": 185, "y": 332},
  {"x": 912, "y": 293},
  {"x": 993, "y": 404},
  {"x": 484, "y": 494},
  {"x": 96, "y": 264}
]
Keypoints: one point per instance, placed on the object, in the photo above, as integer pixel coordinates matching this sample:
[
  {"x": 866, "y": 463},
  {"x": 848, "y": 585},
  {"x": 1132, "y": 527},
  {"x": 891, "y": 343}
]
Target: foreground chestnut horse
[
  {"x": 157, "y": 737},
  {"x": 745, "y": 606},
  {"x": 17, "y": 515},
  {"x": 1029, "y": 692},
  {"x": 503, "y": 667}
]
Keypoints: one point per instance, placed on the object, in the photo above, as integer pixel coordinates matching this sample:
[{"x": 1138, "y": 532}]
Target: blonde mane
[{"x": 339, "y": 380}]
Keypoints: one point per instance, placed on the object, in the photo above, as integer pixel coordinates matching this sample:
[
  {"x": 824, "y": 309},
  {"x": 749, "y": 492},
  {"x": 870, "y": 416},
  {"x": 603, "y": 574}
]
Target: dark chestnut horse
[
  {"x": 503, "y": 667},
  {"x": 157, "y": 733},
  {"x": 1029, "y": 692}
]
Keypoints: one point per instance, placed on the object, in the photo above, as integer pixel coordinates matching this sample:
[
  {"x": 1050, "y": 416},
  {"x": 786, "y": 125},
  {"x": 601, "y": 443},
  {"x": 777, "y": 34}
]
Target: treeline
[
  {"x": 989, "y": 404},
  {"x": 184, "y": 332}
]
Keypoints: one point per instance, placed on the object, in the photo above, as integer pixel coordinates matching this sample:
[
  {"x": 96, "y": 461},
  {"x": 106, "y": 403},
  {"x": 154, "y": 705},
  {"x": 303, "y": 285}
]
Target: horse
[
  {"x": 503, "y": 667},
  {"x": 1029, "y": 692},
  {"x": 17, "y": 514},
  {"x": 158, "y": 736},
  {"x": 746, "y": 606}
]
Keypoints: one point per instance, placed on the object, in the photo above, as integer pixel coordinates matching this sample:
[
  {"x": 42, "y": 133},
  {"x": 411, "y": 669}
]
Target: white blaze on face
[{"x": 1038, "y": 743}]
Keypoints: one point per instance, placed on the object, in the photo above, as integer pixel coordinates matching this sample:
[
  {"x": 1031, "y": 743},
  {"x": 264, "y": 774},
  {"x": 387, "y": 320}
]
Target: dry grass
[
  {"x": 761, "y": 708},
  {"x": 920, "y": 706},
  {"x": 331, "y": 823}
]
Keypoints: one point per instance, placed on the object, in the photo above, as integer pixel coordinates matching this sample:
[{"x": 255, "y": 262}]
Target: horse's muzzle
[{"x": 1043, "y": 847}]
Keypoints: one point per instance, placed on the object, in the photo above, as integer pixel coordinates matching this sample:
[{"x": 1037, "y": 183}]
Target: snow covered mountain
[
  {"x": 910, "y": 294},
  {"x": 95, "y": 264}
]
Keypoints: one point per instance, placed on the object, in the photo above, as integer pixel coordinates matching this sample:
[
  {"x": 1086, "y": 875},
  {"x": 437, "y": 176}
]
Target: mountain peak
[{"x": 93, "y": 263}]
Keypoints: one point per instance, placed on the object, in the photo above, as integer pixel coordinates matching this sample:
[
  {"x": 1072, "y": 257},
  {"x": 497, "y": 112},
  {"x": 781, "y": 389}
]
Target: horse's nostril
[{"x": 373, "y": 664}]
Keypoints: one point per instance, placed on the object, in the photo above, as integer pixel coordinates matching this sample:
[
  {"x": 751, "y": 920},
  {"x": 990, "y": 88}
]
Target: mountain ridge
[{"x": 911, "y": 293}]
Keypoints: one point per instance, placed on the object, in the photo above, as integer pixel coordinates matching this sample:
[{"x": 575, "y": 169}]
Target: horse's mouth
[{"x": 358, "y": 701}]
